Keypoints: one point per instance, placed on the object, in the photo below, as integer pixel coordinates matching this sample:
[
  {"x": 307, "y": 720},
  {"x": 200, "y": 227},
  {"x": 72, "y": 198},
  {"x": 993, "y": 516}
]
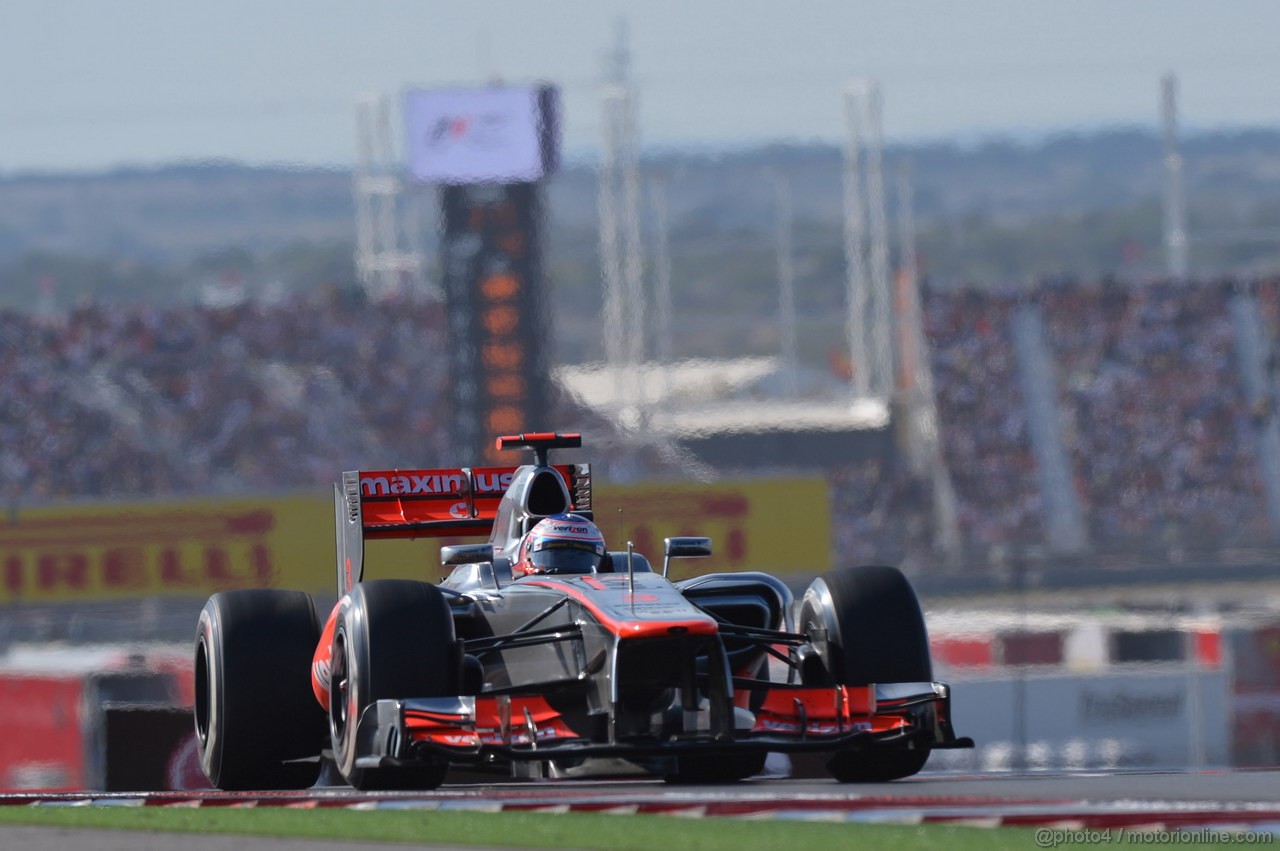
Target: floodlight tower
[
  {"x": 388, "y": 250},
  {"x": 786, "y": 285},
  {"x": 856, "y": 284},
  {"x": 662, "y": 279},
  {"x": 1175, "y": 213},
  {"x": 620, "y": 246},
  {"x": 610, "y": 250},
  {"x": 881, "y": 297},
  {"x": 869, "y": 319}
]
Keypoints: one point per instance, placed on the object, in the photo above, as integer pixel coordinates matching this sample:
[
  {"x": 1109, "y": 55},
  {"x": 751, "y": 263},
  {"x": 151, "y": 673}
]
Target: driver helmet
[{"x": 561, "y": 543}]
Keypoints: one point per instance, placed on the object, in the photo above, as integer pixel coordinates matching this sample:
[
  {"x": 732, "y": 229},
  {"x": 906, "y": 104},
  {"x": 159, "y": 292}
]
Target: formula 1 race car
[{"x": 544, "y": 655}]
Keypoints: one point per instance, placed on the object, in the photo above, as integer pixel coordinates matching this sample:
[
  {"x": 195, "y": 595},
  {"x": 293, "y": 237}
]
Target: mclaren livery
[{"x": 545, "y": 655}]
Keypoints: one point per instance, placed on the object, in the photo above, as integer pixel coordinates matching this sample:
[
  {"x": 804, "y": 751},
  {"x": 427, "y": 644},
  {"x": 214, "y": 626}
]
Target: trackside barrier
[
  {"x": 104, "y": 718},
  {"x": 42, "y": 741},
  {"x": 1138, "y": 718}
]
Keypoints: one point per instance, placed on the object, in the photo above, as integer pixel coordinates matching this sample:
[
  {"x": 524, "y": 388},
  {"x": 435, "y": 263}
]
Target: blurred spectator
[
  {"x": 880, "y": 514},
  {"x": 1161, "y": 437},
  {"x": 135, "y": 401},
  {"x": 120, "y": 401},
  {"x": 983, "y": 419}
]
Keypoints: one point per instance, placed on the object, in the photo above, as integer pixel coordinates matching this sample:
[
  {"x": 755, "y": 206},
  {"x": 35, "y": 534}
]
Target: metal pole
[
  {"x": 881, "y": 311},
  {"x": 786, "y": 287},
  {"x": 363, "y": 192},
  {"x": 1020, "y": 670},
  {"x": 1175, "y": 214},
  {"x": 619, "y": 219},
  {"x": 662, "y": 280},
  {"x": 388, "y": 244},
  {"x": 633, "y": 258},
  {"x": 854, "y": 237},
  {"x": 610, "y": 256}
]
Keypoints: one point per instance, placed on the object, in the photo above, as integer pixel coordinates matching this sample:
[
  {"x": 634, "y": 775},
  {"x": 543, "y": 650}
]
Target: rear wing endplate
[{"x": 448, "y": 502}]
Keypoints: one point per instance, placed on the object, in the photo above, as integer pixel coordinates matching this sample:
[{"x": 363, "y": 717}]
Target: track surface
[
  {"x": 1218, "y": 801},
  {"x": 1223, "y": 787},
  {"x": 1174, "y": 799}
]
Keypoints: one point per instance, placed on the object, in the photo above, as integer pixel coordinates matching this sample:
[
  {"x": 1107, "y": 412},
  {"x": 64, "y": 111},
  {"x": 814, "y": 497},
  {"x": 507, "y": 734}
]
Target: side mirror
[
  {"x": 466, "y": 554},
  {"x": 683, "y": 548}
]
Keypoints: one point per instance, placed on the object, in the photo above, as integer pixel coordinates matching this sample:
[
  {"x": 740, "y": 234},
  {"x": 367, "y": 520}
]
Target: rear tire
[
  {"x": 254, "y": 709},
  {"x": 874, "y": 633},
  {"x": 394, "y": 639}
]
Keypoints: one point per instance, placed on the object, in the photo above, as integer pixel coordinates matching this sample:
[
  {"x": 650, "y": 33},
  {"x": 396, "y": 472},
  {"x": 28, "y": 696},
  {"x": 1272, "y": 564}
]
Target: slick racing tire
[
  {"x": 394, "y": 639},
  {"x": 254, "y": 709},
  {"x": 868, "y": 628}
]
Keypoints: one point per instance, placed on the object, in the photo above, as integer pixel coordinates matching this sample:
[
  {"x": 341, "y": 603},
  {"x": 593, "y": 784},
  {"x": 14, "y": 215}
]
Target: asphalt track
[{"x": 1224, "y": 800}]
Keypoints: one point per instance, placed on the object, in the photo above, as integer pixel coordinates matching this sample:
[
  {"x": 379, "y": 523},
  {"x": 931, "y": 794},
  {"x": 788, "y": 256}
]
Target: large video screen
[{"x": 489, "y": 135}]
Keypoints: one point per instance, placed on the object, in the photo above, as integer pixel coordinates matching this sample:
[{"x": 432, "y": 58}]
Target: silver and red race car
[{"x": 608, "y": 668}]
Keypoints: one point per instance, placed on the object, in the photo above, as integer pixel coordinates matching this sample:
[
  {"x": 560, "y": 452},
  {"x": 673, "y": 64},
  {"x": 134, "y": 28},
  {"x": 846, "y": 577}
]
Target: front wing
[{"x": 526, "y": 727}]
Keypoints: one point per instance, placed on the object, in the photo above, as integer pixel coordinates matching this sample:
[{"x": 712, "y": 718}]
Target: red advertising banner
[{"x": 41, "y": 738}]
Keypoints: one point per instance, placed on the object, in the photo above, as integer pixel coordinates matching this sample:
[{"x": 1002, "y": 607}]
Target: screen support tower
[
  {"x": 620, "y": 245},
  {"x": 1175, "y": 211},
  {"x": 389, "y": 254},
  {"x": 869, "y": 318}
]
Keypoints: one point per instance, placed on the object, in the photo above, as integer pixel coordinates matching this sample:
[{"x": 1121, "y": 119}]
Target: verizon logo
[{"x": 432, "y": 483}]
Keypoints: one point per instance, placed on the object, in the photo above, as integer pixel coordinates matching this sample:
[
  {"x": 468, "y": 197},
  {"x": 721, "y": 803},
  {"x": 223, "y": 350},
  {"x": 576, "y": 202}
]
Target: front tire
[
  {"x": 394, "y": 639},
  {"x": 867, "y": 628},
  {"x": 254, "y": 710}
]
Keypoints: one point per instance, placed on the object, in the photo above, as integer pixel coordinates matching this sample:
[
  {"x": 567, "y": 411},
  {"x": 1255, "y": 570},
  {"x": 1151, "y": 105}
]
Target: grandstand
[
  {"x": 1161, "y": 396},
  {"x": 1147, "y": 385}
]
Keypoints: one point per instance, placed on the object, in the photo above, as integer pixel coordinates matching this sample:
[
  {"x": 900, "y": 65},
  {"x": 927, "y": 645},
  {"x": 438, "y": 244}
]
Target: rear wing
[{"x": 449, "y": 502}]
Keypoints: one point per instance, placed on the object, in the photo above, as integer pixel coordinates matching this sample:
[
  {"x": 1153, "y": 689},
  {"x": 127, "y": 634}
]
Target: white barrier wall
[{"x": 1141, "y": 719}]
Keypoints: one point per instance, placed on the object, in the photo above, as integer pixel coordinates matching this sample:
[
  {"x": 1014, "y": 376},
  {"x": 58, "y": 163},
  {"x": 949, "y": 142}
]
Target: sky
[{"x": 95, "y": 84}]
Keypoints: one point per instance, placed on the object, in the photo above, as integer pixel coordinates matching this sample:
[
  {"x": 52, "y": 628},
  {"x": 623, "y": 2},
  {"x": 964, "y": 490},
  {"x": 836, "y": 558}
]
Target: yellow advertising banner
[
  {"x": 187, "y": 548},
  {"x": 197, "y": 547},
  {"x": 772, "y": 525}
]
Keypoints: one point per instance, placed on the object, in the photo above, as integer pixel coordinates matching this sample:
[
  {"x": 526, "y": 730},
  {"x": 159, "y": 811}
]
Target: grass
[
  {"x": 589, "y": 832},
  {"x": 526, "y": 830}
]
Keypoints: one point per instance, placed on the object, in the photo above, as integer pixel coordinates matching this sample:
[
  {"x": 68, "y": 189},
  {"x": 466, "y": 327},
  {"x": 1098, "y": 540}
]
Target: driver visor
[{"x": 567, "y": 557}]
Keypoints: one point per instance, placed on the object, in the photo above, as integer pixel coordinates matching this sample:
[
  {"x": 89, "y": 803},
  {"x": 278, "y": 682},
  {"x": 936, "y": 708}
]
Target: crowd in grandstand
[
  {"x": 984, "y": 433},
  {"x": 135, "y": 401},
  {"x": 139, "y": 401},
  {"x": 882, "y": 513},
  {"x": 1162, "y": 442},
  {"x": 1161, "y": 436}
]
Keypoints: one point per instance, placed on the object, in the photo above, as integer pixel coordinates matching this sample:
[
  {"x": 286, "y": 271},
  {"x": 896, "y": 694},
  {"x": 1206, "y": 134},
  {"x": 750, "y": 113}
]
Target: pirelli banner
[
  {"x": 80, "y": 553},
  {"x": 177, "y": 548},
  {"x": 776, "y": 525}
]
